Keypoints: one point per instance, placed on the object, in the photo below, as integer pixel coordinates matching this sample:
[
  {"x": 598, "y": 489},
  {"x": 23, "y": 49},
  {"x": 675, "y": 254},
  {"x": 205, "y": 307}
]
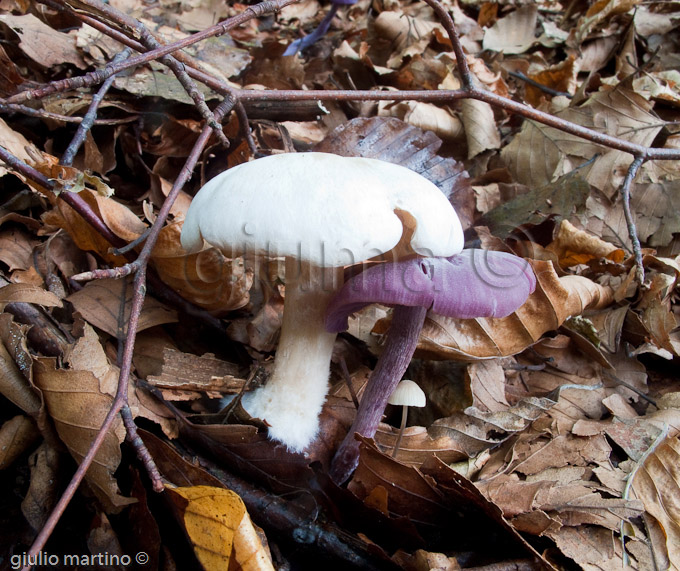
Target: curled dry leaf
[
  {"x": 513, "y": 34},
  {"x": 425, "y": 116},
  {"x": 106, "y": 304},
  {"x": 554, "y": 300},
  {"x": 15, "y": 143},
  {"x": 17, "y": 435},
  {"x": 15, "y": 386},
  {"x": 474, "y": 430},
  {"x": 539, "y": 154},
  {"x": 43, "y": 490},
  {"x": 78, "y": 399},
  {"x": 657, "y": 484},
  {"x": 481, "y": 131},
  {"x": 27, "y": 293},
  {"x": 205, "y": 278},
  {"x": 218, "y": 525}
]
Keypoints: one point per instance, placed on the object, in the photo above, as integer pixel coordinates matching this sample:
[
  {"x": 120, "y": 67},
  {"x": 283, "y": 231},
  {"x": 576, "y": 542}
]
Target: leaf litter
[{"x": 542, "y": 430}]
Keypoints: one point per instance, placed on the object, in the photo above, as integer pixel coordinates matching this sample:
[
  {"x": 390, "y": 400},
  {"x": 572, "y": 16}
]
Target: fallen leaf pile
[{"x": 550, "y": 437}]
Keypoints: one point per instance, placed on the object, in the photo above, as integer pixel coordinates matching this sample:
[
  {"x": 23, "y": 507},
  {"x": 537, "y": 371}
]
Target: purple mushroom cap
[{"x": 474, "y": 283}]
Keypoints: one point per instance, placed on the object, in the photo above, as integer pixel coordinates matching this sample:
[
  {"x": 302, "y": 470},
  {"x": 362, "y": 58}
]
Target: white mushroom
[
  {"x": 405, "y": 395},
  {"x": 321, "y": 212}
]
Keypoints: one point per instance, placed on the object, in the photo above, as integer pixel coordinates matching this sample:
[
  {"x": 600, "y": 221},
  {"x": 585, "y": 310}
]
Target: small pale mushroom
[
  {"x": 405, "y": 395},
  {"x": 474, "y": 283},
  {"x": 321, "y": 212}
]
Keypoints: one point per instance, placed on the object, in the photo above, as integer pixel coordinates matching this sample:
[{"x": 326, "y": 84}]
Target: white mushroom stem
[
  {"x": 291, "y": 400},
  {"x": 402, "y": 427}
]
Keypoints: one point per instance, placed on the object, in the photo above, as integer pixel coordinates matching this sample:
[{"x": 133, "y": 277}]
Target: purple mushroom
[
  {"x": 319, "y": 32},
  {"x": 474, "y": 283}
]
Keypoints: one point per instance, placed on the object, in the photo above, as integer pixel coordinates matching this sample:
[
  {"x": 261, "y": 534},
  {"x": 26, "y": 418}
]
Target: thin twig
[
  {"x": 90, "y": 116},
  {"x": 42, "y": 114},
  {"x": 537, "y": 85},
  {"x": 630, "y": 222}
]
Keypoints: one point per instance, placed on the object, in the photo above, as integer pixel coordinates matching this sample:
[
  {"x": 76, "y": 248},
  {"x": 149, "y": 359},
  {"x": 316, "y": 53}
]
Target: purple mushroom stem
[
  {"x": 318, "y": 33},
  {"x": 398, "y": 351},
  {"x": 474, "y": 283}
]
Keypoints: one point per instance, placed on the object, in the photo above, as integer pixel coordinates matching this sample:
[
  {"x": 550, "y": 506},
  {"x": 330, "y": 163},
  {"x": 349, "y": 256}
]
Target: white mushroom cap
[
  {"x": 407, "y": 393},
  {"x": 321, "y": 208}
]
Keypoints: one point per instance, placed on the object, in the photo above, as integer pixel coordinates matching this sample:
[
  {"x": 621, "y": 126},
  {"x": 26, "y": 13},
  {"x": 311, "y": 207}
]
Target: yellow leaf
[{"x": 218, "y": 525}]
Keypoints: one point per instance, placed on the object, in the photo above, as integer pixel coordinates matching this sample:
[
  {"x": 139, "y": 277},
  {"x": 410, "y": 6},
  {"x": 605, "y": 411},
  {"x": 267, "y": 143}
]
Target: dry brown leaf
[
  {"x": 573, "y": 246},
  {"x": 16, "y": 248},
  {"x": 561, "y": 77},
  {"x": 17, "y": 435},
  {"x": 43, "y": 490},
  {"x": 554, "y": 300},
  {"x": 600, "y": 13},
  {"x": 41, "y": 43},
  {"x": 409, "y": 35},
  {"x": 78, "y": 399},
  {"x": 218, "y": 526},
  {"x": 487, "y": 385},
  {"x": 657, "y": 484},
  {"x": 205, "y": 278},
  {"x": 99, "y": 302},
  {"x": 21, "y": 292},
  {"x": 15, "y": 143},
  {"x": 474, "y": 431},
  {"x": 418, "y": 445},
  {"x": 593, "y": 548},
  {"x": 425, "y": 116},
  {"x": 540, "y": 154},
  {"x": 481, "y": 131},
  {"x": 14, "y": 385},
  {"x": 117, "y": 217},
  {"x": 514, "y": 33}
]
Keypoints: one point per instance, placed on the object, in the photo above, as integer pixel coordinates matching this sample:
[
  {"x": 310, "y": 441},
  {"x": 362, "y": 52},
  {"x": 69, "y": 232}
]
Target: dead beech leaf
[
  {"x": 117, "y": 217},
  {"x": 206, "y": 278},
  {"x": 514, "y": 33},
  {"x": 14, "y": 385},
  {"x": 44, "y": 486},
  {"x": 539, "y": 154},
  {"x": 78, "y": 399},
  {"x": 417, "y": 445},
  {"x": 474, "y": 430},
  {"x": 598, "y": 14},
  {"x": 481, "y": 131},
  {"x": 15, "y": 143},
  {"x": 409, "y": 35},
  {"x": 26, "y": 293},
  {"x": 561, "y": 77},
  {"x": 573, "y": 246},
  {"x": 99, "y": 302},
  {"x": 43, "y": 44},
  {"x": 16, "y": 436},
  {"x": 218, "y": 525},
  {"x": 425, "y": 116},
  {"x": 554, "y": 300},
  {"x": 16, "y": 247},
  {"x": 657, "y": 484}
]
